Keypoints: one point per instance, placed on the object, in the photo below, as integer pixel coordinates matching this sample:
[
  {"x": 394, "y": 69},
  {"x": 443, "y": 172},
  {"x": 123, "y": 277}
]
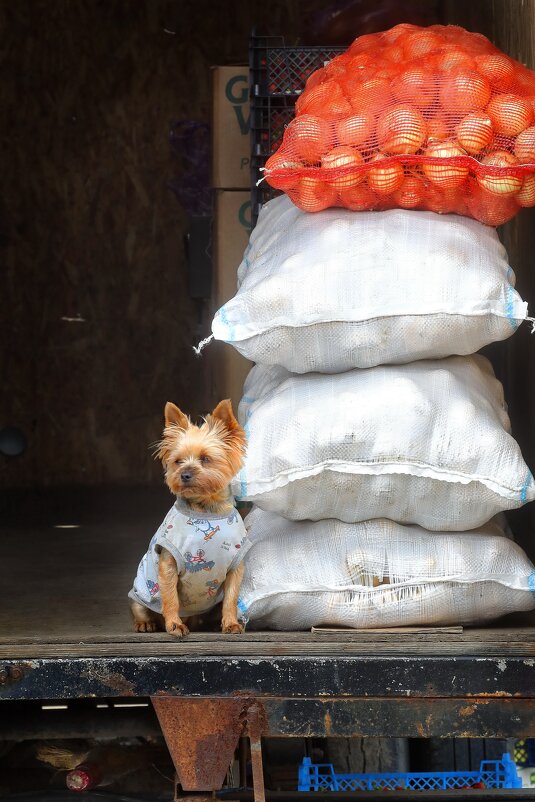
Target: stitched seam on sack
[
  {"x": 315, "y": 469},
  {"x": 507, "y": 314},
  {"x": 422, "y": 583}
]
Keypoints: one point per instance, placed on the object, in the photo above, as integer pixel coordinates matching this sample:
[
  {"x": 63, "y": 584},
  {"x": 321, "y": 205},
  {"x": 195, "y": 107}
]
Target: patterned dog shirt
[{"x": 205, "y": 547}]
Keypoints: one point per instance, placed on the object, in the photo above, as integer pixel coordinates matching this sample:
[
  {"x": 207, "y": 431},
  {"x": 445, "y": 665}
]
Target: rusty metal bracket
[{"x": 202, "y": 736}]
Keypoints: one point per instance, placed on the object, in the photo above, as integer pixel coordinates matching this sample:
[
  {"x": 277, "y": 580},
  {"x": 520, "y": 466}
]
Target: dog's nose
[{"x": 186, "y": 476}]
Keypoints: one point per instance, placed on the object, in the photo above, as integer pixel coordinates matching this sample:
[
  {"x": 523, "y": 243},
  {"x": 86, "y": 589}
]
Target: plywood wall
[{"x": 96, "y": 322}]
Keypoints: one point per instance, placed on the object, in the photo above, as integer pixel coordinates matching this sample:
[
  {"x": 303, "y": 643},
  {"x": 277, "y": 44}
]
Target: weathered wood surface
[
  {"x": 96, "y": 324},
  {"x": 241, "y": 647}
]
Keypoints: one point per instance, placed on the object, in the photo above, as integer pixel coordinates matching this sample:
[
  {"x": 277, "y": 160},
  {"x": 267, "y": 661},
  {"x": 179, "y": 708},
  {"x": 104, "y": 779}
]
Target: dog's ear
[
  {"x": 175, "y": 417},
  {"x": 235, "y": 436},
  {"x": 224, "y": 413}
]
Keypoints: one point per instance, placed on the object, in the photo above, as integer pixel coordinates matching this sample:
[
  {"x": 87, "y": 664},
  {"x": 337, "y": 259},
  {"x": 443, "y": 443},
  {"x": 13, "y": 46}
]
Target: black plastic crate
[{"x": 277, "y": 77}]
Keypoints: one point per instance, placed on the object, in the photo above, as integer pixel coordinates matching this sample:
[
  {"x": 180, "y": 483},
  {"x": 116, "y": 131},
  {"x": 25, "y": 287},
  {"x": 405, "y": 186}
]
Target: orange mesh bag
[{"x": 418, "y": 118}]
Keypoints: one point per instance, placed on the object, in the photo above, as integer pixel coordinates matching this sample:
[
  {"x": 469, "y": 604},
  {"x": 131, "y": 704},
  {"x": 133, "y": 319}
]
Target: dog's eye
[{"x": 205, "y": 459}]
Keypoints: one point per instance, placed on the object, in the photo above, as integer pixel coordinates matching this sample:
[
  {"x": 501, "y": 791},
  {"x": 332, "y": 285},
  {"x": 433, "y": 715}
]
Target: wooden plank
[
  {"x": 427, "y": 630},
  {"x": 245, "y": 648},
  {"x": 518, "y": 635}
]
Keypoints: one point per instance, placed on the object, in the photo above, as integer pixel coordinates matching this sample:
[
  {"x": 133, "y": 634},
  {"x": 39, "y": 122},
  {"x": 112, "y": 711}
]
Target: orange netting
[{"x": 419, "y": 118}]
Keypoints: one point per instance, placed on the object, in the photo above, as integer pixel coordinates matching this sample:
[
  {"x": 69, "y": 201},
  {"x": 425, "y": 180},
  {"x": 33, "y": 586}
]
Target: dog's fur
[{"x": 211, "y": 454}]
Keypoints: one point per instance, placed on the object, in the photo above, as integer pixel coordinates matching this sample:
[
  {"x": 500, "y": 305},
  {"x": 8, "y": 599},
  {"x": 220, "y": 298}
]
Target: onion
[
  {"x": 524, "y": 81},
  {"x": 388, "y": 73},
  {"x": 279, "y": 162},
  {"x": 502, "y": 184},
  {"x": 367, "y": 42},
  {"x": 421, "y": 43},
  {"x": 410, "y": 194},
  {"x": 343, "y": 157},
  {"x": 498, "y": 69},
  {"x": 307, "y": 137},
  {"x": 526, "y": 195},
  {"x": 401, "y": 129},
  {"x": 510, "y": 114},
  {"x": 325, "y": 100},
  {"x": 312, "y": 195},
  {"x": 525, "y": 146},
  {"x": 474, "y": 132},
  {"x": 396, "y": 33},
  {"x": 446, "y": 175},
  {"x": 358, "y": 199},
  {"x": 415, "y": 85},
  {"x": 464, "y": 91},
  {"x": 313, "y": 80},
  {"x": 454, "y": 60},
  {"x": 437, "y": 128},
  {"x": 358, "y": 62},
  {"x": 445, "y": 201},
  {"x": 393, "y": 53},
  {"x": 492, "y": 210},
  {"x": 355, "y": 130},
  {"x": 385, "y": 179},
  {"x": 336, "y": 70},
  {"x": 370, "y": 96}
]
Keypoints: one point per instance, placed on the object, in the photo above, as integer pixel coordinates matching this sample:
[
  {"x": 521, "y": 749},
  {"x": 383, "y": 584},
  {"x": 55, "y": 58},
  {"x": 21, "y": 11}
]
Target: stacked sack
[{"x": 379, "y": 445}]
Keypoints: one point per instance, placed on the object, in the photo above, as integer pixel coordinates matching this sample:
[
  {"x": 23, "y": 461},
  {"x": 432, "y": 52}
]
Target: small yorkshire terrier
[{"x": 195, "y": 559}]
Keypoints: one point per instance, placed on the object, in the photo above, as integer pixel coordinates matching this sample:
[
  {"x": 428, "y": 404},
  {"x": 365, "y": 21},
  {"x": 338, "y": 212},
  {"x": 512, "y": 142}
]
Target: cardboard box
[
  {"x": 231, "y": 144},
  {"x": 232, "y": 224}
]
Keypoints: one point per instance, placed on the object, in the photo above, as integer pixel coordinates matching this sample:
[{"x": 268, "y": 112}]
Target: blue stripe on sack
[
  {"x": 242, "y": 607},
  {"x": 524, "y": 491},
  {"x": 243, "y": 474},
  {"x": 531, "y": 581},
  {"x": 509, "y": 302},
  {"x": 228, "y": 326},
  {"x": 243, "y": 484},
  {"x": 245, "y": 257}
]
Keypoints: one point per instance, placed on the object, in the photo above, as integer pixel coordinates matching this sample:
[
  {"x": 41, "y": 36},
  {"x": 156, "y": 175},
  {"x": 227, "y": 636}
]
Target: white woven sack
[
  {"x": 378, "y": 573},
  {"x": 337, "y": 290},
  {"x": 425, "y": 443}
]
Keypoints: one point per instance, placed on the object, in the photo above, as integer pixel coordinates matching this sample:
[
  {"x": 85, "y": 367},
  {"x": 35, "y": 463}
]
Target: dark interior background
[{"x": 96, "y": 324}]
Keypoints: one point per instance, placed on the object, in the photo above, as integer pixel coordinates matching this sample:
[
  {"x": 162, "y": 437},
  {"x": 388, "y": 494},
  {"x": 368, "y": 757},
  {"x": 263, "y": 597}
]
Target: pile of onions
[{"x": 421, "y": 118}]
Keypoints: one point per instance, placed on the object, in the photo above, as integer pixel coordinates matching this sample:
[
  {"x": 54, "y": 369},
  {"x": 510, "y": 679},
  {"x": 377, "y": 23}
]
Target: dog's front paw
[
  {"x": 230, "y": 626},
  {"x": 176, "y": 628},
  {"x": 145, "y": 626}
]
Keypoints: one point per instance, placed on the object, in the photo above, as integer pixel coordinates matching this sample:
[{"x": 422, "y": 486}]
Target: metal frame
[{"x": 205, "y": 704}]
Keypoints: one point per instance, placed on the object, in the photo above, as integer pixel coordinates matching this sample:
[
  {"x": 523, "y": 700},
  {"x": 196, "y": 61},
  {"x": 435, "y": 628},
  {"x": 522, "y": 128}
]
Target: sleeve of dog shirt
[{"x": 162, "y": 542}]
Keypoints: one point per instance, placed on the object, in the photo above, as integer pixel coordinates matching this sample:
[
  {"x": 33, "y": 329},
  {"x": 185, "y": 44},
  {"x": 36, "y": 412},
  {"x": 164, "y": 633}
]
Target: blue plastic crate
[{"x": 492, "y": 774}]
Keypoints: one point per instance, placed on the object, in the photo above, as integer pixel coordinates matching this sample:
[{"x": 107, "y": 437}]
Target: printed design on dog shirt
[
  {"x": 212, "y": 586},
  {"x": 197, "y": 562},
  {"x": 153, "y": 587},
  {"x": 205, "y": 549}
]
